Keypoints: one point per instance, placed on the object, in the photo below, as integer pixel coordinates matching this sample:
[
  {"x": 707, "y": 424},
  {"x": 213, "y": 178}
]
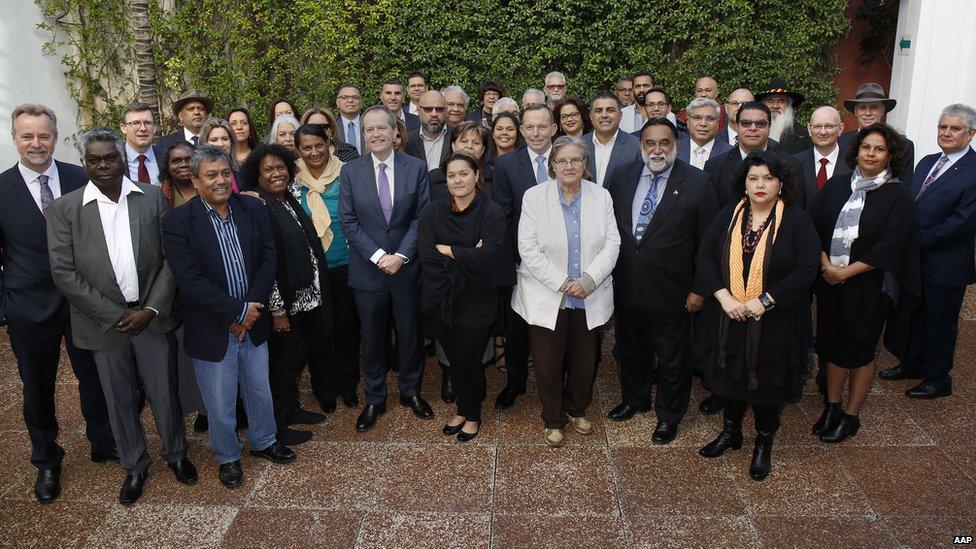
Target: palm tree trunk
[{"x": 145, "y": 64}]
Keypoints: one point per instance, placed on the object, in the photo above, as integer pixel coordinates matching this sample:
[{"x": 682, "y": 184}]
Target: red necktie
[
  {"x": 143, "y": 170},
  {"x": 822, "y": 174}
]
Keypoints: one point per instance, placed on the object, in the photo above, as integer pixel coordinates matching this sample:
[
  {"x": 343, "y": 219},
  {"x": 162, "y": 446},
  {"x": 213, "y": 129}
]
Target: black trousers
[
  {"x": 333, "y": 361},
  {"x": 287, "y": 352},
  {"x": 37, "y": 348},
  {"x": 516, "y": 345},
  {"x": 767, "y": 415},
  {"x": 933, "y": 333},
  {"x": 464, "y": 348},
  {"x": 643, "y": 337}
]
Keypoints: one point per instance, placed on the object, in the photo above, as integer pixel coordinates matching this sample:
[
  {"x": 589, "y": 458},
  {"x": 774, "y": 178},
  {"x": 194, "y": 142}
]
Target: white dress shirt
[
  {"x": 831, "y": 161},
  {"x": 433, "y": 149},
  {"x": 118, "y": 235},
  {"x": 34, "y": 186},
  {"x": 732, "y": 135},
  {"x": 698, "y": 159},
  {"x": 412, "y": 108},
  {"x": 188, "y": 136},
  {"x": 601, "y": 155},
  {"x": 152, "y": 165},
  {"x": 375, "y": 258}
]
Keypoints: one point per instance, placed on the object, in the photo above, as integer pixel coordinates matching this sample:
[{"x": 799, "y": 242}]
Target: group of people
[{"x": 204, "y": 270}]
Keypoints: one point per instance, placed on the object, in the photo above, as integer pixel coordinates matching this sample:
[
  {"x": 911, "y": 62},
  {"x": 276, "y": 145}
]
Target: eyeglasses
[
  {"x": 657, "y": 104},
  {"x": 570, "y": 116},
  {"x": 824, "y": 127},
  {"x": 455, "y": 105},
  {"x": 555, "y": 86},
  {"x": 433, "y": 109},
  {"x": 761, "y": 124},
  {"x": 700, "y": 117},
  {"x": 574, "y": 162},
  {"x": 730, "y": 102},
  {"x": 139, "y": 123},
  {"x": 349, "y": 97}
]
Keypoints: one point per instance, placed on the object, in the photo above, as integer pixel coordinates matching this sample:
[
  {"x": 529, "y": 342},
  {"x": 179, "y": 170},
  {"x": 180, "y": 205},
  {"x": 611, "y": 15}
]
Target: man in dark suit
[
  {"x": 945, "y": 202},
  {"x": 34, "y": 310},
  {"x": 783, "y": 102},
  {"x": 729, "y": 132},
  {"x": 379, "y": 214},
  {"x": 663, "y": 208},
  {"x": 820, "y": 162},
  {"x": 142, "y": 157},
  {"x": 431, "y": 142},
  {"x": 703, "y": 116},
  {"x": 349, "y": 102},
  {"x": 392, "y": 96},
  {"x": 222, "y": 254},
  {"x": 191, "y": 109},
  {"x": 124, "y": 314},
  {"x": 870, "y": 106},
  {"x": 609, "y": 147},
  {"x": 516, "y": 172}
]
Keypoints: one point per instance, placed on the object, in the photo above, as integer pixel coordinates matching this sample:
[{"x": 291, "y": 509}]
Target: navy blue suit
[
  {"x": 193, "y": 252},
  {"x": 411, "y": 121},
  {"x": 37, "y": 316},
  {"x": 375, "y": 291},
  {"x": 625, "y": 149},
  {"x": 946, "y": 214},
  {"x": 684, "y": 148}
]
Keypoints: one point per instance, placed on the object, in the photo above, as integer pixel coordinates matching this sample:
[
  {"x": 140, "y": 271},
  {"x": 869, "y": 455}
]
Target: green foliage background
[{"x": 247, "y": 52}]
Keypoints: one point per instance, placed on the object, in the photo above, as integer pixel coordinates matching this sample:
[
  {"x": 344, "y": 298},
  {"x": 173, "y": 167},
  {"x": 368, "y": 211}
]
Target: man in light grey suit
[
  {"x": 609, "y": 147},
  {"x": 700, "y": 144},
  {"x": 105, "y": 245}
]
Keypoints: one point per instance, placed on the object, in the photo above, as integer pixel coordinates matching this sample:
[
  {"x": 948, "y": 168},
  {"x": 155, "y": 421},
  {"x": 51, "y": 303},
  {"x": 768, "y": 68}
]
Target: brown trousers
[{"x": 564, "y": 367}]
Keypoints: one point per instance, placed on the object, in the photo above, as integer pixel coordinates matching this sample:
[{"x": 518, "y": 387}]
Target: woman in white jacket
[{"x": 568, "y": 242}]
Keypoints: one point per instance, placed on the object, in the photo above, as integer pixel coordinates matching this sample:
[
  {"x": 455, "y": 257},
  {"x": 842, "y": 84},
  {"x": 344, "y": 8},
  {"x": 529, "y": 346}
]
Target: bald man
[
  {"x": 824, "y": 159},
  {"x": 706, "y": 86},
  {"x": 730, "y": 132},
  {"x": 431, "y": 142}
]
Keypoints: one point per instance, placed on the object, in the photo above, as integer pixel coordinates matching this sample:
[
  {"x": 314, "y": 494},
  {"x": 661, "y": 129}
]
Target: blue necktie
[
  {"x": 351, "y": 136},
  {"x": 647, "y": 209},
  {"x": 541, "y": 173}
]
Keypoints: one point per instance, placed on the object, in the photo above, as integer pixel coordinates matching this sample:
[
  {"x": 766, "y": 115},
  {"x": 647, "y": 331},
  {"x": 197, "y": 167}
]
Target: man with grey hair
[
  {"x": 533, "y": 96},
  {"x": 33, "y": 308},
  {"x": 945, "y": 204},
  {"x": 870, "y": 106},
  {"x": 457, "y": 104},
  {"x": 505, "y": 104},
  {"x": 123, "y": 314},
  {"x": 555, "y": 87},
  {"x": 222, "y": 253},
  {"x": 703, "y": 116}
]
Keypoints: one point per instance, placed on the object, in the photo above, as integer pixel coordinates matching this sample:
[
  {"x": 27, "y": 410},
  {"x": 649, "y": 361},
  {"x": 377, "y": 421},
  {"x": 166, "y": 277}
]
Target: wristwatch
[{"x": 767, "y": 302}]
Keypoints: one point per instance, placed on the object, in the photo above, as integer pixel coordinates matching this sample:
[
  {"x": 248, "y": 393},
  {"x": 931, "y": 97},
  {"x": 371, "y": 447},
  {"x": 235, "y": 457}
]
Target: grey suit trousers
[{"x": 146, "y": 358}]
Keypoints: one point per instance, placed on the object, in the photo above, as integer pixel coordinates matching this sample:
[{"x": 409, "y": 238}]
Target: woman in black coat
[
  {"x": 757, "y": 262},
  {"x": 465, "y": 260},
  {"x": 869, "y": 259}
]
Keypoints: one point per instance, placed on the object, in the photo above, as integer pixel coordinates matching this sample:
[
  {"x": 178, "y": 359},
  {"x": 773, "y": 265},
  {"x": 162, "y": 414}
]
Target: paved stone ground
[{"x": 908, "y": 478}]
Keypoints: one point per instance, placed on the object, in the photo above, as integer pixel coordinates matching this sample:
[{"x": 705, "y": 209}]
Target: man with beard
[
  {"x": 662, "y": 207},
  {"x": 457, "y": 104},
  {"x": 730, "y": 132},
  {"x": 555, "y": 87},
  {"x": 432, "y": 141},
  {"x": 609, "y": 147},
  {"x": 870, "y": 106},
  {"x": 191, "y": 109},
  {"x": 624, "y": 90},
  {"x": 703, "y": 115},
  {"x": 632, "y": 117},
  {"x": 782, "y": 102}
]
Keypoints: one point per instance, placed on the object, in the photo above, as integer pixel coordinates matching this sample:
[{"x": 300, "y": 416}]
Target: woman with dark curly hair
[
  {"x": 572, "y": 116},
  {"x": 869, "y": 259},
  {"x": 756, "y": 263}
]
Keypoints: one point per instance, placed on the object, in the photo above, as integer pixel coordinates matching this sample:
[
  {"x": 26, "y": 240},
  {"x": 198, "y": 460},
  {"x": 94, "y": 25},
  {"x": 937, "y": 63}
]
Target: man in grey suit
[
  {"x": 105, "y": 244},
  {"x": 700, "y": 144},
  {"x": 609, "y": 147}
]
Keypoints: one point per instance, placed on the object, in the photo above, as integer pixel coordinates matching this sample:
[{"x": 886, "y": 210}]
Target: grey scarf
[{"x": 849, "y": 220}]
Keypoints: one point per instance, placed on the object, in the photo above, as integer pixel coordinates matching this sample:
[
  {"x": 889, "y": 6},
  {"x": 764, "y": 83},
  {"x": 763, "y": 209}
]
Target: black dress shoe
[
  {"x": 328, "y": 406},
  {"x": 713, "y": 404},
  {"x": 847, "y": 426},
  {"x": 47, "y": 487},
  {"x": 762, "y": 456},
  {"x": 625, "y": 411},
  {"x": 447, "y": 384},
  {"x": 467, "y": 437},
  {"x": 230, "y": 474},
  {"x": 184, "y": 471},
  {"x": 506, "y": 398},
  {"x": 277, "y": 452},
  {"x": 730, "y": 437},
  {"x": 132, "y": 487},
  {"x": 664, "y": 432},
  {"x": 451, "y": 430},
  {"x": 291, "y": 437},
  {"x": 419, "y": 406},
  {"x": 350, "y": 399},
  {"x": 102, "y": 457},
  {"x": 367, "y": 418},
  {"x": 301, "y": 416},
  {"x": 828, "y": 418},
  {"x": 899, "y": 371},
  {"x": 201, "y": 424},
  {"x": 927, "y": 390}
]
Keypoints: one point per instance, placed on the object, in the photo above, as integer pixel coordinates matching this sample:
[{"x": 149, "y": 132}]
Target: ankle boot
[
  {"x": 730, "y": 437},
  {"x": 447, "y": 384},
  {"x": 828, "y": 419},
  {"x": 762, "y": 456},
  {"x": 847, "y": 426}
]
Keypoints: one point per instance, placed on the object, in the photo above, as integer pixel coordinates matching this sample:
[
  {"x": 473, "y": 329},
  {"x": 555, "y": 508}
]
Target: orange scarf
[{"x": 744, "y": 290}]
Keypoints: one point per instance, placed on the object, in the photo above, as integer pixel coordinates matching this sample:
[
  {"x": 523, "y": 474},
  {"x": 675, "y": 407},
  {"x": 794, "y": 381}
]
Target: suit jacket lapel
[
  {"x": 615, "y": 153},
  {"x": 399, "y": 184},
  {"x": 204, "y": 230},
  {"x": 22, "y": 194},
  {"x": 527, "y": 168},
  {"x": 947, "y": 174},
  {"x": 134, "y": 202},
  {"x": 243, "y": 223},
  {"x": 368, "y": 178},
  {"x": 626, "y": 196},
  {"x": 91, "y": 221},
  {"x": 668, "y": 199}
]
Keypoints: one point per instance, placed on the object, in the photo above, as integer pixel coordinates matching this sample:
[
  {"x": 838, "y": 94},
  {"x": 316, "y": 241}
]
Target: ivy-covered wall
[{"x": 246, "y": 52}]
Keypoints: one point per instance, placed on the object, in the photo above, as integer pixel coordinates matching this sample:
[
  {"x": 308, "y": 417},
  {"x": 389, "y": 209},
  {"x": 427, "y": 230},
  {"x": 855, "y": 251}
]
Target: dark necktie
[
  {"x": 194, "y": 140},
  {"x": 143, "y": 170},
  {"x": 47, "y": 196},
  {"x": 934, "y": 175},
  {"x": 822, "y": 174}
]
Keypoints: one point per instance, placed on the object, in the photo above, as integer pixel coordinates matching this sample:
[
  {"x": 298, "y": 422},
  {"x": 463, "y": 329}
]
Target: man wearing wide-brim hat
[
  {"x": 869, "y": 106},
  {"x": 782, "y": 101},
  {"x": 192, "y": 109}
]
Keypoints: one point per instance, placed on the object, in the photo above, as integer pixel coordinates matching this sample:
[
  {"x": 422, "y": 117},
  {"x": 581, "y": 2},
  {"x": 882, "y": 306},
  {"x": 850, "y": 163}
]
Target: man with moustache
[
  {"x": 142, "y": 157},
  {"x": 703, "y": 116},
  {"x": 349, "y": 101},
  {"x": 871, "y": 106},
  {"x": 532, "y": 97},
  {"x": 782, "y": 102},
  {"x": 457, "y": 104},
  {"x": 555, "y": 88},
  {"x": 432, "y": 141},
  {"x": 609, "y": 147},
  {"x": 632, "y": 117},
  {"x": 663, "y": 208},
  {"x": 391, "y": 96},
  {"x": 191, "y": 109},
  {"x": 729, "y": 132},
  {"x": 624, "y": 89}
]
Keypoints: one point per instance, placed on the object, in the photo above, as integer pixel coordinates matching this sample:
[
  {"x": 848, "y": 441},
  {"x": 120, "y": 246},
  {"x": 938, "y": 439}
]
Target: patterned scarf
[{"x": 848, "y": 222}]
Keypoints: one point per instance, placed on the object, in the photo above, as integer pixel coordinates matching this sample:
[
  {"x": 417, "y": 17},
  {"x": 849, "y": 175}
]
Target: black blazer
[
  {"x": 657, "y": 274},
  {"x": 415, "y": 147},
  {"x": 27, "y": 291},
  {"x": 797, "y": 141},
  {"x": 809, "y": 166},
  {"x": 724, "y": 169},
  {"x": 412, "y": 121},
  {"x": 907, "y": 171},
  {"x": 193, "y": 252},
  {"x": 514, "y": 174},
  {"x": 158, "y": 152},
  {"x": 168, "y": 141}
]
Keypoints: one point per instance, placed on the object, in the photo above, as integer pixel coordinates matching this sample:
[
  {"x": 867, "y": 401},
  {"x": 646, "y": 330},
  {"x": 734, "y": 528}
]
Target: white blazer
[{"x": 543, "y": 245}]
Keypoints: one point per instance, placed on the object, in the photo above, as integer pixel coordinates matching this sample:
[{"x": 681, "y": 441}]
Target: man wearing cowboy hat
[
  {"x": 870, "y": 106},
  {"x": 782, "y": 102},
  {"x": 191, "y": 109}
]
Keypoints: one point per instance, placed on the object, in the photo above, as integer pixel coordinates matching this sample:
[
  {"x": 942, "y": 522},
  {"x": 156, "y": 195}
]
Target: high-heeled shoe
[
  {"x": 828, "y": 419},
  {"x": 451, "y": 430},
  {"x": 762, "y": 456},
  {"x": 465, "y": 437},
  {"x": 847, "y": 426},
  {"x": 730, "y": 437}
]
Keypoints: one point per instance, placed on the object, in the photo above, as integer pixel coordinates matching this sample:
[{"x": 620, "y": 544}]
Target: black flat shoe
[
  {"x": 132, "y": 487},
  {"x": 306, "y": 417},
  {"x": 102, "y": 457},
  {"x": 898, "y": 372},
  {"x": 369, "y": 415},
  {"x": 828, "y": 418},
  {"x": 184, "y": 471},
  {"x": 47, "y": 487},
  {"x": 730, "y": 437},
  {"x": 928, "y": 391},
  {"x": 762, "y": 456},
  {"x": 625, "y": 411},
  {"x": 451, "y": 430},
  {"x": 664, "y": 432},
  {"x": 350, "y": 399},
  {"x": 711, "y": 405},
  {"x": 230, "y": 474},
  {"x": 291, "y": 437},
  {"x": 277, "y": 453},
  {"x": 201, "y": 424},
  {"x": 506, "y": 398},
  {"x": 418, "y": 405},
  {"x": 847, "y": 426},
  {"x": 467, "y": 437},
  {"x": 328, "y": 406},
  {"x": 447, "y": 384}
]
